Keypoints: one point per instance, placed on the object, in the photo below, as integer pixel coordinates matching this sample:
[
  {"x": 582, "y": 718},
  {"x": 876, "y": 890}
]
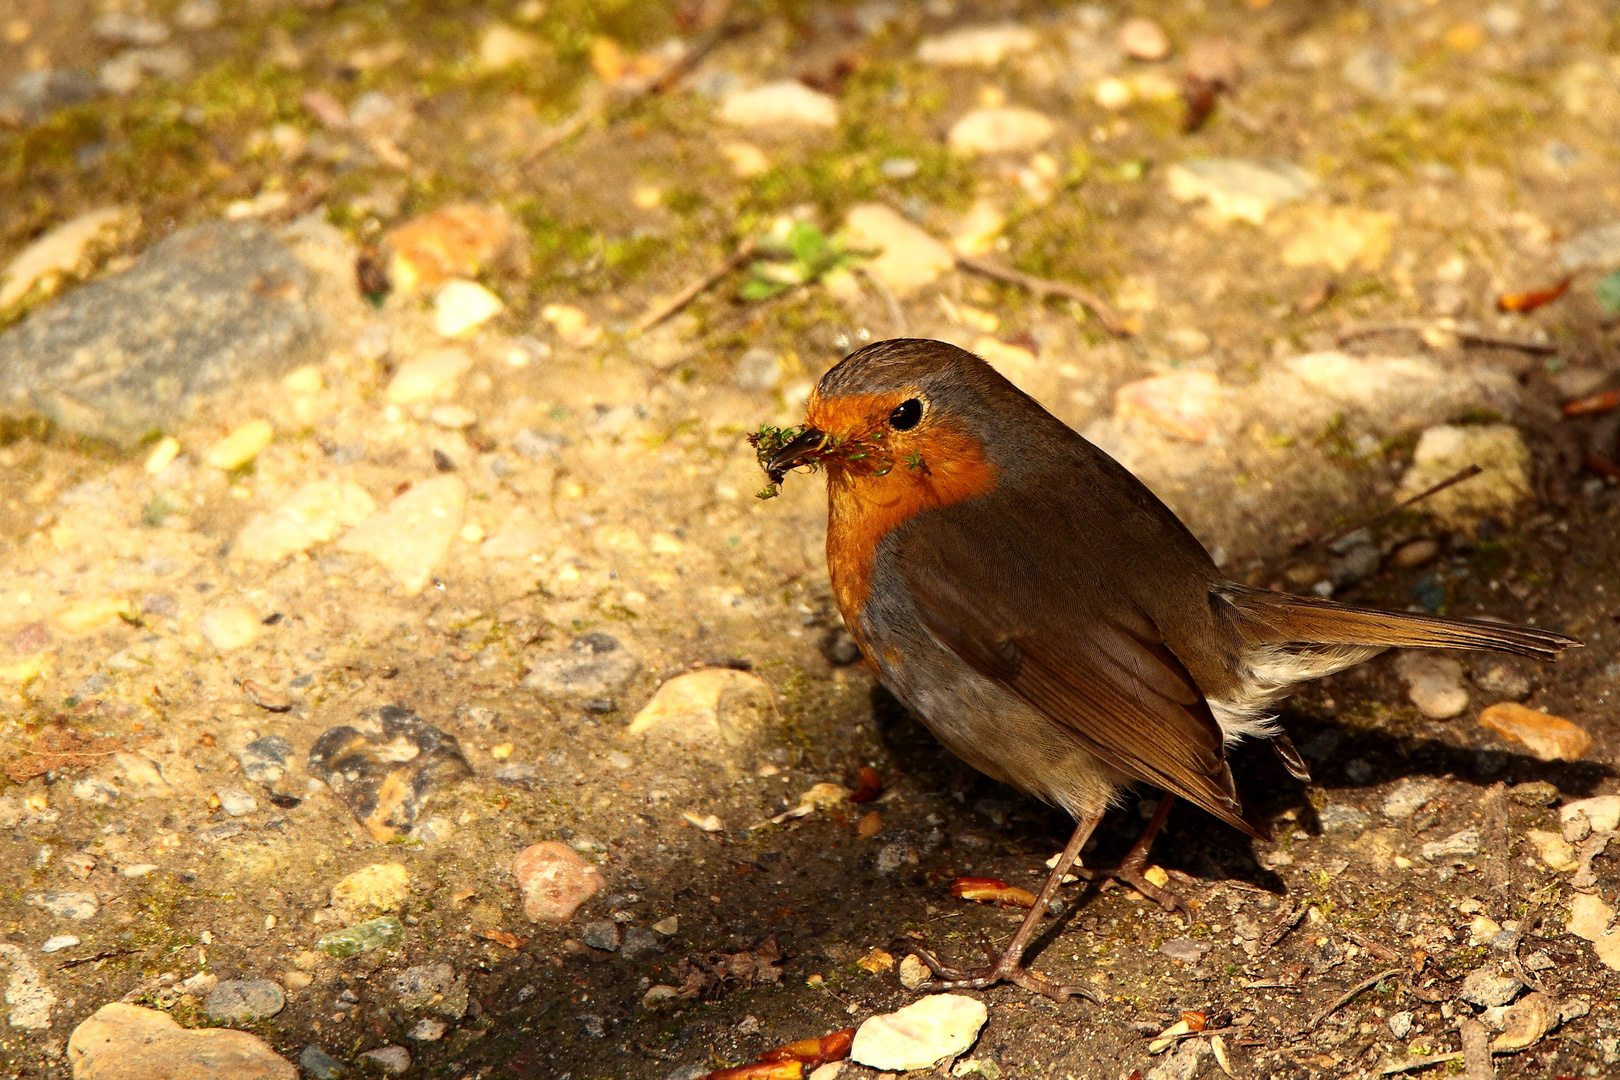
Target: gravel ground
[{"x": 359, "y": 544}]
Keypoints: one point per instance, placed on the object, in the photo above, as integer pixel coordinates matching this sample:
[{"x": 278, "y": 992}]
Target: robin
[{"x": 1051, "y": 621}]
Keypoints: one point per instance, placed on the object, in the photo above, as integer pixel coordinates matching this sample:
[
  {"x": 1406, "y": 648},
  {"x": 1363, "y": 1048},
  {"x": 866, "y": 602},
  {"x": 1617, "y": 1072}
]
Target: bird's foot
[
  {"x": 1003, "y": 968},
  {"x": 1133, "y": 872}
]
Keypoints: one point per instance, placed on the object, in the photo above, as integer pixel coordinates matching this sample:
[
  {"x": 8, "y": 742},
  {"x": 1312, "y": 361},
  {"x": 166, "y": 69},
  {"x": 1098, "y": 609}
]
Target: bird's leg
[
  {"x": 1009, "y": 967},
  {"x": 1132, "y": 869}
]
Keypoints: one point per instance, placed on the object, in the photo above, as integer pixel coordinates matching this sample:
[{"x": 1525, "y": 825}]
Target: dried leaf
[
  {"x": 58, "y": 748},
  {"x": 264, "y": 697},
  {"x": 982, "y": 888},
  {"x": 869, "y": 785},
  {"x": 760, "y": 1070},
  {"x": 1529, "y": 301},
  {"x": 813, "y": 1052},
  {"x": 869, "y": 826},
  {"x": 503, "y": 937},
  {"x": 1605, "y": 401}
]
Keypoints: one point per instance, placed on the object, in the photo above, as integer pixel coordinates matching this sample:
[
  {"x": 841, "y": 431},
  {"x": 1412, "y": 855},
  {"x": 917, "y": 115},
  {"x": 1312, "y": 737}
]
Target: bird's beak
[{"x": 795, "y": 453}]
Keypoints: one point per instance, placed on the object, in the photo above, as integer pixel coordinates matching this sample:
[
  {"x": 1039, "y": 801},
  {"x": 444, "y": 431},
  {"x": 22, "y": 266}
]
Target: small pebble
[
  {"x": 427, "y": 1030},
  {"x": 1144, "y": 40},
  {"x": 241, "y": 446},
  {"x": 58, "y": 943}
]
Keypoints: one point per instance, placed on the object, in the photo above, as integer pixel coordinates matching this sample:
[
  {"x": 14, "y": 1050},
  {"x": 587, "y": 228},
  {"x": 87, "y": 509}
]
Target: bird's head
[{"x": 902, "y": 416}]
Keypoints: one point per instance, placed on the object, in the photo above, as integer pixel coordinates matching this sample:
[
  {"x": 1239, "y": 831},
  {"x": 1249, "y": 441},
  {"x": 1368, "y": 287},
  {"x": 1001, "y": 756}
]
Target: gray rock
[
  {"x": 223, "y": 831},
  {"x": 433, "y": 987},
  {"x": 1485, "y": 988},
  {"x": 595, "y": 665},
  {"x": 593, "y": 1024},
  {"x": 1373, "y": 70},
  {"x": 1400, "y": 1024},
  {"x": 319, "y": 1064},
  {"x": 1182, "y": 1062},
  {"x": 516, "y": 772},
  {"x": 65, "y": 905},
  {"x": 639, "y": 942},
  {"x": 894, "y": 856},
  {"x": 206, "y": 308},
  {"x": 1360, "y": 561},
  {"x": 243, "y": 1000},
  {"x": 1185, "y": 949},
  {"x": 264, "y": 761},
  {"x": 1337, "y": 818},
  {"x": 36, "y": 95},
  {"x": 1534, "y": 793},
  {"x": 536, "y": 446},
  {"x": 1503, "y": 677},
  {"x": 386, "y": 768},
  {"x": 603, "y": 934},
  {"x": 1407, "y": 796},
  {"x": 393, "y": 1060},
  {"x": 758, "y": 369},
  {"x": 1594, "y": 249},
  {"x": 1458, "y": 845}
]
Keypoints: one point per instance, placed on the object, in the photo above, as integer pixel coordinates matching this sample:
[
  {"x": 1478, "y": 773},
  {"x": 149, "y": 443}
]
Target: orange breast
[{"x": 862, "y": 507}]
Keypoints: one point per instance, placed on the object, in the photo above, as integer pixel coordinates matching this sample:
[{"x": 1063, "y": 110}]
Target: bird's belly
[{"x": 989, "y": 727}]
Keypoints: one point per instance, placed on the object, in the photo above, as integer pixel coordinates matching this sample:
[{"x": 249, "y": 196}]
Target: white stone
[
  {"x": 918, "y": 1036},
  {"x": 715, "y": 712},
  {"x": 428, "y": 378},
  {"x": 241, "y": 446},
  {"x": 980, "y": 46},
  {"x": 65, "y": 250},
  {"x": 1006, "y": 130},
  {"x": 909, "y": 259},
  {"x": 126, "y": 1041},
  {"x": 413, "y": 535},
  {"x": 454, "y": 417},
  {"x": 313, "y": 515},
  {"x": 1500, "y": 491},
  {"x": 371, "y": 890},
  {"x": 462, "y": 307},
  {"x": 427, "y": 1030},
  {"x": 1601, "y": 811},
  {"x": 1238, "y": 190},
  {"x": 58, "y": 943},
  {"x": 31, "y": 1000},
  {"x": 394, "y": 1060},
  {"x": 230, "y": 626},
  {"x": 236, "y": 802},
  {"x": 1433, "y": 683},
  {"x": 1144, "y": 40},
  {"x": 779, "y": 103},
  {"x": 501, "y": 46}
]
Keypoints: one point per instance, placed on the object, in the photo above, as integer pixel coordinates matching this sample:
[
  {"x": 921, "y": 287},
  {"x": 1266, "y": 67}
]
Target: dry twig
[
  {"x": 1464, "y": 334},
  {"x": 665, "y": 308},
  {"x": 1379, "y": 518},
  {"x": 1043, "y": 287},
  {"x": 1285, "y": 921},
  {"x": 1344, "y": 998},
  {"x": 1476, "y": 1051}
]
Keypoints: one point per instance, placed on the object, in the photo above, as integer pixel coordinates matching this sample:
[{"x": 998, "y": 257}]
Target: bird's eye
[{"x": 905, "y": 415}]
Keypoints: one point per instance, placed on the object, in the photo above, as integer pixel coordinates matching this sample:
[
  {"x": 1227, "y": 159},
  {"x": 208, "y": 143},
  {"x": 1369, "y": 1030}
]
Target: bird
[{"x": 1049, "y": 619}]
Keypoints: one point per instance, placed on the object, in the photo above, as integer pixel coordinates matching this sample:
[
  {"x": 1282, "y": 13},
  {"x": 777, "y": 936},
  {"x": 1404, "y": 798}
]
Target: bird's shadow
[{"x": 1345, "y": 761}]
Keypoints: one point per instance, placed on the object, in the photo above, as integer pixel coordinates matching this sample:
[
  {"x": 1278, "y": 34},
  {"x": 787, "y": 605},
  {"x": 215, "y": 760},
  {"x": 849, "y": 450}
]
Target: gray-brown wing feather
[{"x": 1110, "y": 682}]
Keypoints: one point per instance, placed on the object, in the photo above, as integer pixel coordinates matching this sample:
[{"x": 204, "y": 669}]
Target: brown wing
[{"x": 1101, "y": 670}]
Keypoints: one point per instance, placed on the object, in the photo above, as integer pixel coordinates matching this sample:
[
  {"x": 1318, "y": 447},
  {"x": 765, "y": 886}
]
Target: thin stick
[
  {"x": 1476, "y": 1050},
  {"x": 598, "y": 98},
  {"x": 1366, "y": 523},
  {"x": 1344, "y": 999},
  {"x": 895, "y": 313},
  {"x": 1047, "y": 287},
  {"x": 1414, "y": 1064},
  {"x": 1463, "y": 334},
  {"x": 661, "y": 311}
]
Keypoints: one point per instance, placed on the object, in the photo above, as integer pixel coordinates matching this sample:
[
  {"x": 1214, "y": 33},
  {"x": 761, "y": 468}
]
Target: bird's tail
[{"x": 1275, "y": 618}]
